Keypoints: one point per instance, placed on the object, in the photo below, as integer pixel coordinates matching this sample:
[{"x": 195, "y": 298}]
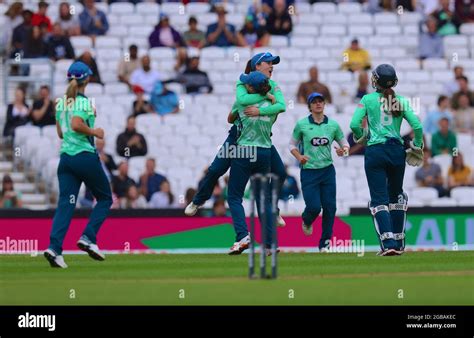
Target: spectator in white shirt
[
  {"x": 453, "y": 86},
  {"x": 145, "y": 77}
]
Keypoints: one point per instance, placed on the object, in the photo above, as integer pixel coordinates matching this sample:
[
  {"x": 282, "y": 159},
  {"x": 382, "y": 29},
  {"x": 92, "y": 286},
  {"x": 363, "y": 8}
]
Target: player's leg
[
  {"x": 328, "y": 203},
  {"x": 263, "y": 166},
  {"x": 278, "y": 168},
  {"x": 397, "y": 197},
  {"x": 69, "y": 186},
  {"x": 312, "y": 198},
  {"x": 240, "y": 171},
  {"x": 95, "y": 179},
  {"x": 375, "y": 170},
  {"x": 218, "y": 167}
]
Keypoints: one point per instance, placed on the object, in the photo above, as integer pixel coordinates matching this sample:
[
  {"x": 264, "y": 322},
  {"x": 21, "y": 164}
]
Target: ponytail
[
  {"x": 248, "y": 67},
  {"x": 391, "y": 102},
  {"x": 71, "y": 91}
]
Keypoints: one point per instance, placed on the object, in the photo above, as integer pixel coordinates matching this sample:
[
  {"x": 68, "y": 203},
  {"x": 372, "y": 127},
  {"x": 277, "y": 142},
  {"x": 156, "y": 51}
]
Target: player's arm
[
  {"x": 278, "y": 107},
  {"x": 415, "y": 124},
  {"x": 293, "y": 146},
  {"x": 244, "y": 98},
  {"x": 343, "y": 149},
  {"x": 356, "y": 122},
  {"x": 58, "y": 130}
]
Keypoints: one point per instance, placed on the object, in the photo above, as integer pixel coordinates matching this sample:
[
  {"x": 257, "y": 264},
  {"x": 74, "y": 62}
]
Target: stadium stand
[{"x": 185, "y": 143}]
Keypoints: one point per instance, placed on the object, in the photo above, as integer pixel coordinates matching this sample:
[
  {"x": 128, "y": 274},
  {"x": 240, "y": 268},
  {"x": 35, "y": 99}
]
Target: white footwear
[
  {"x": 238, "y": 247},
  {"x": 56, "y": 261},
  {"x": 307, "y": 229},
  {"x": 91, "y": 249},
  {"x": 191, "y": 209},
  {"x": 324, "y": 250},
  {"x": 280, "y": 221}
]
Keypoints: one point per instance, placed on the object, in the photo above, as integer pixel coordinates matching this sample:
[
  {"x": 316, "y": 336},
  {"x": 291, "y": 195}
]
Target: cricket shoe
[
  {"x": 191, "y": 209},
  {"x": 91, "y": 249},
  {"x": 240, "y": 246},
  {"x": 56, "y": 261},
  {"x": 307, "y": 229},
  {"x": 280, "y": 221},
  {"x": 389, "y": 252}
]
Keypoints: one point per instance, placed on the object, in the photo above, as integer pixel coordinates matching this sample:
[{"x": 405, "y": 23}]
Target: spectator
[
  {"x": 431, "y": 124},
  {"x": 194, "y": 79},
  {"x": 459, "y": 174},
  {"x": 453, "y": 86},
  {"x": 9, "y": 198},
  {"x": 164, "y": 101},
  {"x": 448, "y": 22},
  {"x": 356, "y": 148},
  {"x": 464, "y": 10},
  {"x": 194, "y": 37},
  {"x": 463, "y": 89},
  {"x": 189, "y": 195},
  {"x": 251, "y": 36},
  {"x": 59, "y": 46},
  {"x": 35, "y": 46},
  {"x": 40, "y": 17},
  {"x": 21, "y": 33},
  {"x": 164, "y": 35},
  {"x": 150, "y": 181},
  {"x": 17, "y": 113},
  {"x": 43, "y": 111},
  {"x": 93, "y": 21},
  {"x": 279, "y": 21},
  {"x": 140, "y": 105},
  {"x": 464, "y": 116},
  {"x": 429, "y": 175},
  {"x": 87, "y": 58},
  {"x": 130, "y": 143},
  {"x": 122, "y": 181},
  {"x": 443, "y": 141},
  {"x": 356, "y": 58},
  {"x": 145, "y": 77},
  {"x": 219, "y": 209},
  {"x": 313, "y": 85},
  {"x": 289, "y": 190},
  {"x": 221, "y": 33},
  {"x": 132, "y": 199},
  {"x": 127, "y": 66},
  {"x": 106, "y": 159},
  {"x": 431, "y": 43},
  {"x": 163, "y": 198},
  {"x": 13, "y": 19},
  {"x": 363, "y": 86},
  {"x": 408, "y": 5},
  {"x": 69, "y": 23}
]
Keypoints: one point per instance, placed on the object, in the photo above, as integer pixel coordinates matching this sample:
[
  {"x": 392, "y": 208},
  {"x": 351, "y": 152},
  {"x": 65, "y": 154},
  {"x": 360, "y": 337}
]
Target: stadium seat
[
  {"x": 197, "y": 8},
  {"x": 335, "y": 19},
  {"x": 121, "y": 8},
  {"x": 140, "y": 31},
  {"x": 357, "y": 30},
  {"x": 381, "y": 19},
  {"x": 443, "y": 202},
  {"x": 425, "y": 194},
  {"x": 324, "y": 8},
  {"x": 300, "y": 30},
  {"x": 360, "y": 19},
  {"x": 81, "y": 42},
  {"x": 435, "y": 64},
  {"x": 147, "y": 8},
  {"x": 349, "y": 7}
]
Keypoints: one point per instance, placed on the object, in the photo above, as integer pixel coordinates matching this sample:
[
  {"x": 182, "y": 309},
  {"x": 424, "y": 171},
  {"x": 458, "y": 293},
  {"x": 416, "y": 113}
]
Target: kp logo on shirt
[{"x": 319, "y": 141}]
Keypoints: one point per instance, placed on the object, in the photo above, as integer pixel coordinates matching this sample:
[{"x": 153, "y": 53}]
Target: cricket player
[
  {"x": 385, "y": 156},
  {"x": 79, "y": 162},
  {"x": 255, "y": 138},
  {"x": 262, "y": 62},
  {"x": 311, "y": 143}
]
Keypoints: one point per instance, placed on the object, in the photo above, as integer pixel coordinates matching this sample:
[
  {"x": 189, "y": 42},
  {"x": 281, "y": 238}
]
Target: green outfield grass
[{"x": 422, "y": 278}]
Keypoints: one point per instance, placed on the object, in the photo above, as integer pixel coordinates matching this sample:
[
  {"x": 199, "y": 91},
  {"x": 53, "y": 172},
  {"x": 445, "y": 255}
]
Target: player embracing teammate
[{"x": 385, "y": 156}]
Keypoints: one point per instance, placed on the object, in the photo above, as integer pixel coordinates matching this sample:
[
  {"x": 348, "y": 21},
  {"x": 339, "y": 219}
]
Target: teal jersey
[
  {"x": 381, "y": 123},
  {"x": 246, "y": 99},
  {"x": 73, "y": 142},
  {"x": 254, "y": 131},
  {"x": 315, "y": 140}
]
